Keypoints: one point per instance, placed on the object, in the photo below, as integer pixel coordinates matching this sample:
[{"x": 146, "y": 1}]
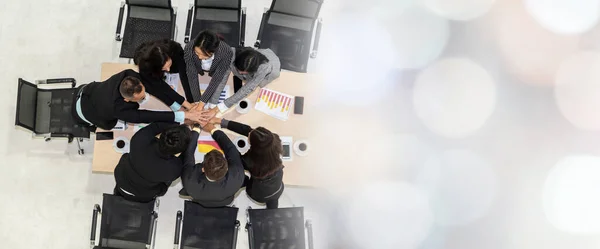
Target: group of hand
[{"x": 197, "y": 115}]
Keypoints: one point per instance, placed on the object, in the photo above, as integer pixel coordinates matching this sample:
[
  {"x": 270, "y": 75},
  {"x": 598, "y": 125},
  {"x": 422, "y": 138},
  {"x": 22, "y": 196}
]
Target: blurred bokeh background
[{"x": 462, "y": 123}]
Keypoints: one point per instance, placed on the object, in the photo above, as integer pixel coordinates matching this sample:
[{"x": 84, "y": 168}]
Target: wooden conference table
[{"x": 297, "y": 172}]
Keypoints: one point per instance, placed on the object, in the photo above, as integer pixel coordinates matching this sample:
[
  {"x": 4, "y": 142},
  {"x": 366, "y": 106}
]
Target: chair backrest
[
  {"x": 278, "y": 228},
  {"x": 125, "y": 224},
  {"x": 220, "y": 4},
  {"x": 26, "y": 105},
  {"x": 208, "y": 227},
  {"x": 151, "y": 3},
  {"x": 301, "y": 8}
]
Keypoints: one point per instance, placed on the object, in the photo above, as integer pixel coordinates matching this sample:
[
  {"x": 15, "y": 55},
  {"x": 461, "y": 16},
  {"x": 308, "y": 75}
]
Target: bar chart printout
[{"x": 274, "y": 104}]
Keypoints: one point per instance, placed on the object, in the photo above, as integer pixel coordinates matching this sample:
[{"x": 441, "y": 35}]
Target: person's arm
[
  {"x": 234, "y": 159},
  {"x": 236, "y": 127},
  {"x": 220, "y": 76},
  {"x": 130, "y": 113},
  {"x": 192, "y": 71},
  {"x": 247, "y": 89},
  {"x": 146, "y": 134},
  {"x": 188, "y": 156}
]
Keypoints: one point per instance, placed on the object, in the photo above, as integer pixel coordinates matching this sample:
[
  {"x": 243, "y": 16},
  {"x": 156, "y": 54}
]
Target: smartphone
[
  {"x": 286, "y": 151},
  {"x": 108, "y": 135},
  {"x": 298, "y": 105}
]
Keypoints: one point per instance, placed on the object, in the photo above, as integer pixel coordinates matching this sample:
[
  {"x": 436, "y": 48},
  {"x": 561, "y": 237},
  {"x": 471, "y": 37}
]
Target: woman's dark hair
[
  {"x": 265, "y": 153},
  {"x": 207, "y": 41},
  {"x": 174, "y": 140},
  {"x": 248, "y": 59},
  {"x": 151, "y": 57}
]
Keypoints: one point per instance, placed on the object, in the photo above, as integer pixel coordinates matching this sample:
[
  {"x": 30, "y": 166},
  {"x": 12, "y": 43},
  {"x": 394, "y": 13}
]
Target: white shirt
[{"x": 206, "y": 64}]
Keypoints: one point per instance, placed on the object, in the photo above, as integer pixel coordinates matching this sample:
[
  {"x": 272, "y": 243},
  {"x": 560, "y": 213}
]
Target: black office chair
[
  {"x": 124, "y": 224},
  {"x": 287, "y": 29},
  {"x": 278, "y": 228},
  {"x": 147, "y": 20},
  {"x": 214, "y": 228},
  {"x": 47, "y": 111},
  {"x": 224, "y": 17}
]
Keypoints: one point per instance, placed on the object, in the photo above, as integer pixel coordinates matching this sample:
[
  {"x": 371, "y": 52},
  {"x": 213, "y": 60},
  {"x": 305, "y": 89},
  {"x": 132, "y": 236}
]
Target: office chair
[
  {"x": 224, "y": 17},
  {"x": 214, "y": 228},
  {"x": 46, "y": 111},
  {"x": 278, "y": 228},
  {"x": 124, "y": 224},
  {"x": 147, "y": 20},
  {"x": 287, "y": 29}
]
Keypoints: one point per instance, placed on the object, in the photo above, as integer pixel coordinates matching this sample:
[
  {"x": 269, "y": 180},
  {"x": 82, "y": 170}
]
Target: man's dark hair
[
  {"x": 150, "y": 57},
  {"x": 248, "y": 60},
  {"x": 174, "y": 140},
  {"x": 207, "y": 41},
  {"x": 215, "y": 165},
  {"x": 130, "y": 86},
  {"x": 265, "y": 153}
]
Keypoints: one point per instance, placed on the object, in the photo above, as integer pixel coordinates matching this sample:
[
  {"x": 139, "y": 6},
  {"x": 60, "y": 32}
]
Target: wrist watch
[{"x": 196, "y": 128}]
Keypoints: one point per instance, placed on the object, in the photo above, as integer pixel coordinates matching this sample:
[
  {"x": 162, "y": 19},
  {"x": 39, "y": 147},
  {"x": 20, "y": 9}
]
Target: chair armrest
[
  {"x": 243, "y": 28},
  {"x": 235, "y": 234},
  {"x": 260, "y": 29},
  {"x": 120, "y": 22},
  {"x": 174, "y": 26},
  {"x": 59, "y": 81},
  {"x": 152, "y": 237},
  {"x": 177, "y": 230},
  {"x": 315, "y": 49},
  {"x": 94, "y": 224},
  {"x": 249, "y": 229},
  {"x": 188, "y": 25},
  {"x": 310, "y": 234}
]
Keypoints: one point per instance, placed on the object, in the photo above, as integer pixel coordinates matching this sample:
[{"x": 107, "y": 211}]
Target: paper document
[
  {"x": 172, "y": 79},
  {"x": 274, "y": 103},
  {"x": 224, "y": 94},
  {"x": 205, "y": 145}
]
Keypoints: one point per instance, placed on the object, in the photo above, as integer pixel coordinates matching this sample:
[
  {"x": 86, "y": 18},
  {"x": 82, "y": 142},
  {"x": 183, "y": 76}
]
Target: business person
[
  {"x": 263, "y": 161},
  {"x": 153, "y": 163},
  {"x": 214, "y": 182},
  {"x": 102, "y": 104},
  {"x": 255, "y": 67},
  {"x": 156, "y": 58},
  {"x": 208, "y": 53}
]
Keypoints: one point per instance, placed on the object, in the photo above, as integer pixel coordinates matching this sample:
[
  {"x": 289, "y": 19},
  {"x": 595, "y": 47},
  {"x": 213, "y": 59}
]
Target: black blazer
[
  {"x": 264, "y": 188},
  {"x": 156, "y": 85},
  {"x": 218, "y": 193},
  {"x": 103, "y": 105},
  {"x": 144, "y": 171}
]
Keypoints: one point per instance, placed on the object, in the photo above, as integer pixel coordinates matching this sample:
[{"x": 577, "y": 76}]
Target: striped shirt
[
  {"x": 266, "y": 73},
  {"x": 219, "y": 71}
]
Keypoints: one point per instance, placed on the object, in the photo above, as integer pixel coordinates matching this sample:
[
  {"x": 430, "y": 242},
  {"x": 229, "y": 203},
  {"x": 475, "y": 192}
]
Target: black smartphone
[
  {"x": 107, "y": 135},
  {"x": 298, "y": 105}
]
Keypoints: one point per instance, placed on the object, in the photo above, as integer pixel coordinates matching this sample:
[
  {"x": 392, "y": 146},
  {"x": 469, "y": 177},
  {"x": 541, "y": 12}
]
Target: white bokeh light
[
  {"x": 571, "y": 199},
  {"x": 454, "y": 97},
  {"x": 348, "y": 60},
  {"x": 388, "y": 215},
  {"x": 459, "y": 10},
  {"x": 577, "y": 90},
  {"x": 419, "y": 36},
  {"x": 461, "y": 186},
  {"x": 565, "y": 16}
]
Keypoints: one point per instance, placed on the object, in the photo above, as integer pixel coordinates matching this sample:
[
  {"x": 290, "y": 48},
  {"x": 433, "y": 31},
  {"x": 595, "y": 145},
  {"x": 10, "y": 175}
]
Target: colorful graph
[
  {"x": 274, "y": 103},
  {"x": 207, "y": 144}
]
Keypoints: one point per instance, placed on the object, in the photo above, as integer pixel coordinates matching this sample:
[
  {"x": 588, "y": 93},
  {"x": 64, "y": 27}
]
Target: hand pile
[{"x": 197, "y": 115}]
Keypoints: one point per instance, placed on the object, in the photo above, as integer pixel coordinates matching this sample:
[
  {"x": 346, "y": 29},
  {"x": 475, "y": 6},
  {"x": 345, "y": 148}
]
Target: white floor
[{"x": 47, "y": 189}]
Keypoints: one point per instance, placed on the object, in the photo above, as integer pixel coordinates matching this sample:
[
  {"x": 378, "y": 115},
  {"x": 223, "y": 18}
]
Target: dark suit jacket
[
  {"x": 144, "y": 171},
  {"x": 218, "y": 193},
  {"x": 103, "y": 105},
  {"x": 261, "y": 188}
]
